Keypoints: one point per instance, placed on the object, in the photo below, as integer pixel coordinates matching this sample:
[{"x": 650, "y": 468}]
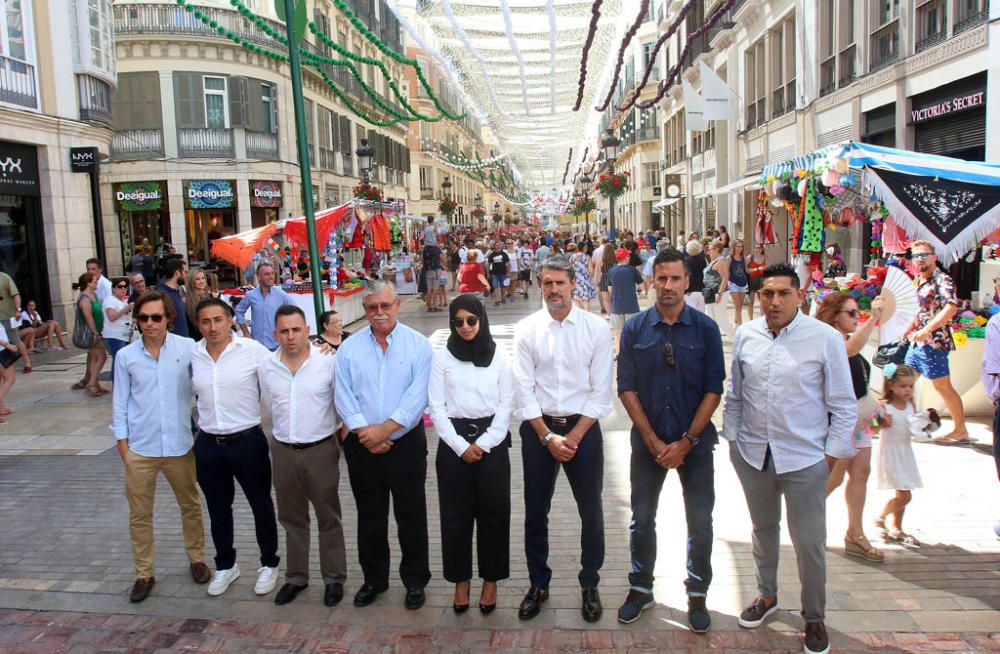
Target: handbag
[
  {"x": 83, "y": 337},
  {"x": 891, "y": 353},
  {"x": 7, "y": 358},
  {"x": 710, "y": 293}
]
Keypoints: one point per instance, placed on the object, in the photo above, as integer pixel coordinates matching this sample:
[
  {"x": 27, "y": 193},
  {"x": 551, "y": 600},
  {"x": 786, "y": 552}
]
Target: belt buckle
[
  {"x": 559, "y": 421},
  {"x": 472, "y": 429},
  {"x": 221, "y": 440}
]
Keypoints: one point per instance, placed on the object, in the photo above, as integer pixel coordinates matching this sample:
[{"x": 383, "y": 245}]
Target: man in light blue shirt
[
  {"x": 152, "y": 423},
  {"x": 262, "y": 302},
  {"x": 381, "y": 393}
]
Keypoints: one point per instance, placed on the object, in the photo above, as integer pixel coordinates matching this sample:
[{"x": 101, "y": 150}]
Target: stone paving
[{"x": 65, "y": 559}]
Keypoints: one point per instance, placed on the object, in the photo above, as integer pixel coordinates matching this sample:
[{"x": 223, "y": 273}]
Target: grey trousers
[
  {"x": 805, "y": 502},
  {"x": 301, "y": 478}
]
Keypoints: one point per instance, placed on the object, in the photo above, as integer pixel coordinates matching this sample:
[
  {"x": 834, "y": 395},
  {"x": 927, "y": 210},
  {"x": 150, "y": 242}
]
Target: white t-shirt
[
  {"x": 430, "y": 235},
  {"x": 513, "y": 260},
  {"x": 118, "y": 329}
]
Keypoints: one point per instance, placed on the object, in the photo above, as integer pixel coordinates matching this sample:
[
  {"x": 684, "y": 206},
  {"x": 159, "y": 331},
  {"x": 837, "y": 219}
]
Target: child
[{"x": 896, "y": 466}]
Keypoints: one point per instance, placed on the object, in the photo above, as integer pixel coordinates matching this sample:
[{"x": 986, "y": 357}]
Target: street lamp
[
  {"x": 365, "y": 155},
  {"x": 446, "y": 187},
  {"x": 585, "y": 182},
  {"x": 479, "y": 201},
  {"x": 609, "y": 146}
]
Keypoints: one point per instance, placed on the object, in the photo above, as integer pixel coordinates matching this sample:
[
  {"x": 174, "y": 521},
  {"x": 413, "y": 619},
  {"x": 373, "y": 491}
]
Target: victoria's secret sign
[{"x": 919, "y": 114}]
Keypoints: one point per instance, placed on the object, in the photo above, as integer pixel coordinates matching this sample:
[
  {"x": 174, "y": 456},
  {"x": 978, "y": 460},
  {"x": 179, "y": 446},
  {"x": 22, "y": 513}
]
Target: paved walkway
[{"x": 65, "y": 559}]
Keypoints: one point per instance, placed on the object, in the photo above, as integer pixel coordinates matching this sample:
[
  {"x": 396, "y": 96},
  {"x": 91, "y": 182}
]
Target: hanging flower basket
[
  {"x": 497, "y": 217},
  {"x": 613, "y": 185},
  {"x": 478, "y": 213},
  {"x": 584, "y": 206},
  {"x": 368, "y": 192},
  {"x": 447, "y": 206}
]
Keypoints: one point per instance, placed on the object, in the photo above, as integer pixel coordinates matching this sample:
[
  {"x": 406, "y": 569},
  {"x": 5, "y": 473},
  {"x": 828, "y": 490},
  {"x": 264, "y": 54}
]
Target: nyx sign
[
  {"x": 18, "y": 169},
  {"x": 82, "y": 160}
]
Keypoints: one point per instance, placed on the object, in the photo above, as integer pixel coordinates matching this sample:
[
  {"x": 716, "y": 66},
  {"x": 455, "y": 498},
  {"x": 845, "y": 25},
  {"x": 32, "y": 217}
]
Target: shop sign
[
  {"x": 949, "y": 106},
  {"x": 18, "y": 169},
  {"x": 82, "y": 160},
  {"x": 209, "y": 194},
  {"x": 265, "y": 194},
  {"x": 138, "y": 196}
]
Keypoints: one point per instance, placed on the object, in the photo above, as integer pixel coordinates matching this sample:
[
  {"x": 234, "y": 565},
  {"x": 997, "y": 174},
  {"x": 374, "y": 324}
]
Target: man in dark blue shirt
[
  {"x": 670, "y": 375},
  {"x": 173, "y": 277}
]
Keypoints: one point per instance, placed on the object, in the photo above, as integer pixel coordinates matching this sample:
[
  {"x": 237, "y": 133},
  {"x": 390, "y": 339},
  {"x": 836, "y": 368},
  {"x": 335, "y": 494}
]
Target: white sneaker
[
  {"x": 221, "y": 580},
  {"x": 267, "y": 579}
]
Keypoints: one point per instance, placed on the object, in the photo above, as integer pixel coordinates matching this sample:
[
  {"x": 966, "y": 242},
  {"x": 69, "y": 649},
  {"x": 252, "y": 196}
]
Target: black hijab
[{"x": 479, "y": 350}]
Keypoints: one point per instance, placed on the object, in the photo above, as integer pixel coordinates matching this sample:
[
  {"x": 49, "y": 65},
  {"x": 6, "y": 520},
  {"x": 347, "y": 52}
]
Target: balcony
[
  {"x": 756, "y": 113},
  {"x": 971, "y": 21},
  {"x": 95, "y": 100},
  {"x": 149, "y": 19},
  {"x": 723, "y": 26},
  {"x": 828, "y": 77},
  {"x": 261, "y": 145},
  {"x": 778, "y": 107},
  {"x": 884, "y": 47},
  {"x": 17, "y": 83},
  {"x": 929, "y": 41},
  {"x": 137, "y": 144},
  {"x": 205, "y": 142}
]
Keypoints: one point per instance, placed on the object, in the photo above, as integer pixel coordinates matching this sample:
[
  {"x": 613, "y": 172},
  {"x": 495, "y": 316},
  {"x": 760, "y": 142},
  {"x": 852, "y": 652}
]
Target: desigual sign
[
  {"x": 139, "y": 196},
  {"x": 209, "y": 194},
  {"x": 950, "y": 106},
  {"x": 265, "y": 194}
]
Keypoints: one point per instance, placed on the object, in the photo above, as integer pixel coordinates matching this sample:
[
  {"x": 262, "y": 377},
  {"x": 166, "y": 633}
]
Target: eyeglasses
[
  {"x": 667, "y": 349},
  {"x": 922, "y": 255},
  {"x": 471, "y": 321},
  {"x": 853, "y": 313},
  {"x": 145, "y": 317},
  {"x": 121, "y": 285},
  {"x": 380, "y": 306}
]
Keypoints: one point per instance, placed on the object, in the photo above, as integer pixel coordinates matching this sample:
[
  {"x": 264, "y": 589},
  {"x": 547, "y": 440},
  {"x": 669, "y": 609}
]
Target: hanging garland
[
  {"x": 553, "y": 45},
  {"x": 639, "y": 19},
  {"x": 569, "y": 158},
  {"x": 463, "y": 37},
  {"x": 595, "y": 16},
  {"x": 508, "y": 23}
]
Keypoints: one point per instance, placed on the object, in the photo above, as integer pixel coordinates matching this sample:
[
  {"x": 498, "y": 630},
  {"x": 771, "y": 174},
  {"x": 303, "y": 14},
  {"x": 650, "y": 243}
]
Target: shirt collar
[
  {"x": 165, "y": 346},
  {"x": 573, "y": 317},
  {"x": 234, "y": 341},
  {"x": 789, "y": 328}
]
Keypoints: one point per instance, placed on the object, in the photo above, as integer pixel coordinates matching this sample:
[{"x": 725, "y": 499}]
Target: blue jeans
[
  {"x": 697, "y": 477},
  {"x": 585, "y": 473},
  {"x": 113, "y": 345}
]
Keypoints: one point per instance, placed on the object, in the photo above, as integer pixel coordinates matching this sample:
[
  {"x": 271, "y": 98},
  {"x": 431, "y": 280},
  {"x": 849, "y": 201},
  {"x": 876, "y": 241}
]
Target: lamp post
[
  {"x": 365, "y": 154},
  {"x": 479, "y": 202},
  {"x": 585, "y": 182},
  {"x": 609, "y": 146},
  {"x": 446, "y": 188}
]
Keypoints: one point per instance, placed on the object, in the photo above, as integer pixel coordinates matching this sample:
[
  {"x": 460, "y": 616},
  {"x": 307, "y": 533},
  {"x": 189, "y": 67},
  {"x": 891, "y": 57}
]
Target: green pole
[{"x": 315, "y": 270}]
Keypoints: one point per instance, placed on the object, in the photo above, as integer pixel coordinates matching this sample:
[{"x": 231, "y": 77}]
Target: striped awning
[{"x": 801, "y": 162}]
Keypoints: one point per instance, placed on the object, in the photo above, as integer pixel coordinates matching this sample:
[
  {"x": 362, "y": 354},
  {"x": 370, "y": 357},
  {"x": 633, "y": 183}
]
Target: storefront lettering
[
  {"x": 139, "y": 196},
  {"x": 960, "y": 103},
  {"x": 18, "y": 169},
  {"x": 267, "y": 193},
  {"x": 213, "y": 194},
  {"x": 209, "y": 193},
  {"x": 10, "y": 165}
]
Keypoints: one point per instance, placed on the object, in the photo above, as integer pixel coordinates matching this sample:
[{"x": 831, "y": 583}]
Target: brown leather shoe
[
  {"x": 201, "y": 573},
  {"x": 141, "y": 589}
]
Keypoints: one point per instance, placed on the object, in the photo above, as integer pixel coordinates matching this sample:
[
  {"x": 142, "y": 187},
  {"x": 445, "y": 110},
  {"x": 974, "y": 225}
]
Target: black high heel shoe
[
  {"x": 461, "y": 608},
  {"x": 486, "y": 609}
]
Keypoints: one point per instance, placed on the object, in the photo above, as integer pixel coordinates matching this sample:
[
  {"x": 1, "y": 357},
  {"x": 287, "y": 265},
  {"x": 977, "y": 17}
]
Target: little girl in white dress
[{"x": 896, "y": 466}]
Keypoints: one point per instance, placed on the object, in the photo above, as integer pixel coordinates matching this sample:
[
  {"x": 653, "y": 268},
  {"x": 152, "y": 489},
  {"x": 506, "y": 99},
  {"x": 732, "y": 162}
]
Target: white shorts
[{"x": 618, "y": 320}]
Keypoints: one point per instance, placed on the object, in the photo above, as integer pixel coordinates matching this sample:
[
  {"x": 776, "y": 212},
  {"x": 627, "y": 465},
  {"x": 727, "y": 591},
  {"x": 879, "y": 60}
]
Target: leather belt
[
  {"x": 562, "y": 421},
  {"x": 303, "y": 446},
  {"x": 471, "y": 428},
  {"x": 226, "y": 439}
]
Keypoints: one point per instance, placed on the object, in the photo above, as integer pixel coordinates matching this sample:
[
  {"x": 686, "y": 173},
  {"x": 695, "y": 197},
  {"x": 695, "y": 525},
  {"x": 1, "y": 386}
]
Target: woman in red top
[
  {"x": 470, "y": 276},
  {"x": 755, "y": 272}
]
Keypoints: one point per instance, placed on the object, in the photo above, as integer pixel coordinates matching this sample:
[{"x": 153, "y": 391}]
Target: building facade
[
  {"x": 205, "y": 142},
  {"x": 53, "y": 98}
]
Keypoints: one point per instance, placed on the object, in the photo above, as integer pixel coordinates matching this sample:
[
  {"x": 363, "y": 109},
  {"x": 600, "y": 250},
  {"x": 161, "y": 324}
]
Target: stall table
[{"x": 347, "y": 303}]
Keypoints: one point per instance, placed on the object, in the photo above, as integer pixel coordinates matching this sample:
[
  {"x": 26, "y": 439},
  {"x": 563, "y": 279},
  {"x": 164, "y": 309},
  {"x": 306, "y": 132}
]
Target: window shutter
[
  {"x": 121, "y": 103},
  {"x": 406, "y": 160},
  {"x": 324, "y": 128},
  {"x": 146, "y": 112},
  {"x": 345, "y": 134},
  {"x": 238, "y": 106},
  {"x": 189, "y": 100},
  {"x": 309, "y": 123},
  {"x": 334, "y": 132},
  {"x": 254, "y": 105}
]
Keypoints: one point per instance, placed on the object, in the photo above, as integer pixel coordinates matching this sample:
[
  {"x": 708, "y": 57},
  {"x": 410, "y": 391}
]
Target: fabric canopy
[
  {"x": 918, "y": 163},
  {"x": 326, "y": 221},
  {"x": 240, "y": 249},
  {"x": 953, "y": 216}
]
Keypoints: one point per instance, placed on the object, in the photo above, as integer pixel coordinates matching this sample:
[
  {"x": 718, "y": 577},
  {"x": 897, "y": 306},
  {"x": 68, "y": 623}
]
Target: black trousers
[
  {"x": 247, "y": 460},
  {"x": 474, "y": 494},
  {"x": 402, "y": 474}
]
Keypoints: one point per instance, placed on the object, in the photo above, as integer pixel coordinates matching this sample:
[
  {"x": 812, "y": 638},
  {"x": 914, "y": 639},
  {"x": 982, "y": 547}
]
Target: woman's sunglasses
[
  {"x": 121, "y": 285},
  {"x": 471, "y": 321},
  {"x": 853, "y": 313}
]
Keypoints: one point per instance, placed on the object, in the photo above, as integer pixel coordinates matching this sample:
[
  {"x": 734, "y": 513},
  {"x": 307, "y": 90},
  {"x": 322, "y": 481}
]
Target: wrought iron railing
[
  {"x": 885, "y": 46},
  {"x": 95, "y": 99},
  {"x": 205, "y": 142},
  {"x": 930, "y": 41},
  {"x": 261, "y": 145},
  {"x": 132, "y": 144},
  {"x": 17, "y": 82},
  {"x": 144, "y": 19},
  {"x": 970, "y": 22}
]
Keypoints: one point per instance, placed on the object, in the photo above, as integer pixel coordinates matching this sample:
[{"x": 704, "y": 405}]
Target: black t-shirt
[
  {"x": 498, "y": 263},
  {"x": 696, "y": 269},
  {"x": 860, "y": 370},
  {"x": 432, "y": 257}
]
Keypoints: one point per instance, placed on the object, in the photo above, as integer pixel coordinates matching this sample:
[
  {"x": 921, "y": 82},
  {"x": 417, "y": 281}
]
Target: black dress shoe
[
  {"x": 367, "y": 594},
  {"x": 531, "y": 605},
  {"x": 415, "y": 598},
  {"x": 333, "y": 594},
  {"x": 591, "y": 609},
  {"x": 141, "y": 588},
  {"x": 287, "y": 593}
]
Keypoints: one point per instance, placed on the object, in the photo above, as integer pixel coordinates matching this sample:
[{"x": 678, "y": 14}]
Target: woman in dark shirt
[
  {"x": 695, "y": 262},
  {"x": 333, "y": 333}
]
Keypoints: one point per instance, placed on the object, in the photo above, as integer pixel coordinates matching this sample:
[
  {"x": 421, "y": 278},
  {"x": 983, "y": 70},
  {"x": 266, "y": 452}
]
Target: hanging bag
[{"x": 83, "y": 337}]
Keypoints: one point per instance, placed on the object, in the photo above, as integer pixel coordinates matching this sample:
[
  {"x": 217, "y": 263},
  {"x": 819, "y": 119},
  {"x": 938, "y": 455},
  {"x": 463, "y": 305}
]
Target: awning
[
  {"x": 665, "y": 202},
  {"x": 748, "y": 183}
]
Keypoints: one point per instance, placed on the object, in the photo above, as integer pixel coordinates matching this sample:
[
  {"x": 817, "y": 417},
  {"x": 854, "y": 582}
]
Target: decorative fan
[{"x": 899, "y": 305}]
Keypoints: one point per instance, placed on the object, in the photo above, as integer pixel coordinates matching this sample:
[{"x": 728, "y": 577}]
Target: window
[
  {"x": 102, "y": 47},
  {"x": 782, "y": 57},
  {"x": 651, "y": 174},
  {"x": 931, "y": 20},
  {"x": 884, "y": 38},
  {"x": 756, "y": 85},
  {"x": 886, "y": 10},
  {"x": 216, "y": 109},
  {"x": 13, "y": 34},
  {"x": 969, "y": 13}
]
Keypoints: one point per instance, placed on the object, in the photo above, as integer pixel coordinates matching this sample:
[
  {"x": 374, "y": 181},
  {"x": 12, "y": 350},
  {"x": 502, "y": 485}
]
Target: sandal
[
  {"x": 6, "y": 412},
  {"x": 79, "y": 386},
  {"x": 880, "y": 525},
  {"x": 27, "y": 369},
  {"x": 860, "y": 546},
  {"x": 902, "y": 538},
  {"x": 93, "y": 391}
]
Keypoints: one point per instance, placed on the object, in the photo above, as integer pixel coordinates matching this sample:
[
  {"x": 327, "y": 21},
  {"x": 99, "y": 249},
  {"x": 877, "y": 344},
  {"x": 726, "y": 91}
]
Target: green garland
[
  {"x": 318, "y": 60},
  {"x": 350, "y": 105}
]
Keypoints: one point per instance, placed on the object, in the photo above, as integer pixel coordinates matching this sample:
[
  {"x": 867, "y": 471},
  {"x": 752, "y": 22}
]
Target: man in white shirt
[
  {"x": 515, "y": 268},
  {"x": 526, "y": 261},
  {"x": 230, "y": 443},
  {"x": 790, "y": 412},
  {"x": 297, "y": 383},
  {"x": 562, "y": 373},
  {"x": 95, "y": 268}
]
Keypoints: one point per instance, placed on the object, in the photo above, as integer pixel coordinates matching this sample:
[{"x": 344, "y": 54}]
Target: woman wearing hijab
[{"x": 471, "y": 398}]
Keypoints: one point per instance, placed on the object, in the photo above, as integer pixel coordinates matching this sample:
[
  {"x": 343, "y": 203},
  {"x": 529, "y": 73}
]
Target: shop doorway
[{"x": 22, "y": 249}]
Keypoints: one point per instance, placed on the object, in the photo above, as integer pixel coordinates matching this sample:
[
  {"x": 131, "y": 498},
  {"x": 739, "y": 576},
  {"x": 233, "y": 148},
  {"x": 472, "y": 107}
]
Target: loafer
[
  {"x": 754, "y": 615},
  {"x": 367, "y": 594},
  {"x": 531, "y": 605},
  {"x": 333, "y": 594},
  {"x": 816, "y": 641},
  {"x": 200, "y": 573},
  {"x": 287, "y": 593},
  {"x": 699, "y": 619},
  {"x": 635, "y": 603},
  {"x": 591, "y": 609},
  {"x": 141, "y": 589},
  {"x": 415, "y": 598}
]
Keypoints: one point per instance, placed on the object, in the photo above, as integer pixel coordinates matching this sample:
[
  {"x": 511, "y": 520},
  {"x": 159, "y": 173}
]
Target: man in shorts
[
  {"x": 432, "y": 269},
  {"x": 930, "y": 335},
  {"x": 526, "y": 261}
]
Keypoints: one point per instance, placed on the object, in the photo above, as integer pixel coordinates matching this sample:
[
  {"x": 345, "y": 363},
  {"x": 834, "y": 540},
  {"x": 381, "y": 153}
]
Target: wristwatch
[
  {"x": 691, "y": 439},
  {"x": 546, "y": 438}
]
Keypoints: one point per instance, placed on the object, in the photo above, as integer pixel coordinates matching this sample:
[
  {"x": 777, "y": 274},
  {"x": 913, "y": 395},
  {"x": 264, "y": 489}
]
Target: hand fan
[{"x": 899, "y": 305}]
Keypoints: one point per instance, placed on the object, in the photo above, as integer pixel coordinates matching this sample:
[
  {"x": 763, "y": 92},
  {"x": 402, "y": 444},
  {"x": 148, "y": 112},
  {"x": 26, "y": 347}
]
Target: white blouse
[{"x": 459, "y": 389}]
